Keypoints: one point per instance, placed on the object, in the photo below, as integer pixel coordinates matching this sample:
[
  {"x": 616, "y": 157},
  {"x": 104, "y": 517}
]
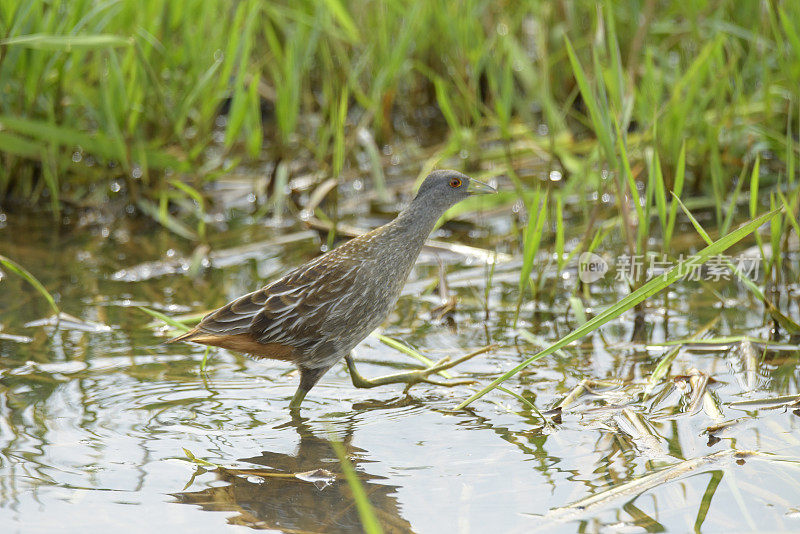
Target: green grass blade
[
  {"x": 345, "y": 20},
  {"x": 790, "y": 177},
  {"x": 791, "y": 35},
  {"x": 524, "y": 401},
  {"x": 660, "y": 194},
  {"x": 339, "y": 135},
  {"x": 602, "y": 130},
  {"x": 789, "y": 209},
  {"x": 626, "y": 168},
  {"x": 533, "y": 236},
  {"x": 560, "y": 232},
  {"x": 754, "y": 183},
  {"x": 755, "y": 179},
  {"x": 576, "y": 305},
  {"x": 665, "y": 362},
  {"x": 695, "y": 222},
  {"x": 731, "y": 211},
  {"x": 14, "y": 144},
  {"x": 365, "y": 511},
  {"x": 775, "y": 234},
  {"x": 42, "y": 41},
  {"x": 405, "y": 349},
  {"x": 445, "y": 106},
  {"x": 197, "y": 196},
  {"x": 677, "y": 189},
  {"x": 167, "y": 220},
  {"x": 16, "y": 268},
  {"x": 165, "y": 319}
]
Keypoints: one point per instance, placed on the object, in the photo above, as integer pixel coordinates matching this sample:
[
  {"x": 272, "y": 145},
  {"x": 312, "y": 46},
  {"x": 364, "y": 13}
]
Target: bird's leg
[
  {"x": 308, "y": 377},
  {"x": 412, "y": 377},
  {"x": 297, "y": 399}
]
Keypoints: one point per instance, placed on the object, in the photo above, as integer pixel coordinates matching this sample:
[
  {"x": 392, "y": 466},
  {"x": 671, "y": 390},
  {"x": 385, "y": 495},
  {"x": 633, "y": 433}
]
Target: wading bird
[{"x": 317, "y": 313}]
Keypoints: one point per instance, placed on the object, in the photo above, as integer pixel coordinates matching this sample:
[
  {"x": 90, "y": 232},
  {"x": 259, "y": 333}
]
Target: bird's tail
[{"x": 186, "y": 336}]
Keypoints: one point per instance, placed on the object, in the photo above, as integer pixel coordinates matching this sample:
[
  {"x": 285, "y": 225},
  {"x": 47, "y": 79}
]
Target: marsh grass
[
  {"x": 532, "y": 237},
  {"x": 608, "y": 128},
  {"x": 134, "y": 89},
  {"x": 650, "y": 288},
  {"x": 602, "y": 119}
]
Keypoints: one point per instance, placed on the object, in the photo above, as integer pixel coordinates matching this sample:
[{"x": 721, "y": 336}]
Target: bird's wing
[
  {"x": 297, "y": 306},
  {"x": 290, "y": 309}
]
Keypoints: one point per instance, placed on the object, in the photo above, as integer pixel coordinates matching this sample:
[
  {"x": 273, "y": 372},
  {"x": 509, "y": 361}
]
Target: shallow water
[{"x": 97, "y": 412}]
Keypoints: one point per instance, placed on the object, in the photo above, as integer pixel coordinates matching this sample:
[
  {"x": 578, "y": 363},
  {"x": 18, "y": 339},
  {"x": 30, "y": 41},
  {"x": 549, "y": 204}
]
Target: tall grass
[
  {"x": 650, "y": 288},
  {"x": 91, "y": 91},
  {"x": 133, "y": 90}
]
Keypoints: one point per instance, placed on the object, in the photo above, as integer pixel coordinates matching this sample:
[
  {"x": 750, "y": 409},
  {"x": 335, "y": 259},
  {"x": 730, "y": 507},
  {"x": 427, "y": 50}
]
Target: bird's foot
[{"x": 411, "y": 378}]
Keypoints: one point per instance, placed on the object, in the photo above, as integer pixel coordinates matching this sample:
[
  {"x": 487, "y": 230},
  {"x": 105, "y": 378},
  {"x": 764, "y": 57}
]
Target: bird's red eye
[{"x": 455, "y": 182}]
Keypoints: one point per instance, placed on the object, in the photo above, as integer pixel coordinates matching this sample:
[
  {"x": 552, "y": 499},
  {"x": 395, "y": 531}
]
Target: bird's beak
[{"x": 479, "y": 188}]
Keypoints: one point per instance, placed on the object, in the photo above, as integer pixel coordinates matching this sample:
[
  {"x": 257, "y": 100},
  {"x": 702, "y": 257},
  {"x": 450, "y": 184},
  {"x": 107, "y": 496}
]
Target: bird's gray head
[{"x": 444, "y": 188}]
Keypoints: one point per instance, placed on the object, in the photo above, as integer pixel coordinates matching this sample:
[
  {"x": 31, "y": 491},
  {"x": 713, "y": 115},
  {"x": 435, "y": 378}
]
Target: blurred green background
[{"x": 156, "y": 92}]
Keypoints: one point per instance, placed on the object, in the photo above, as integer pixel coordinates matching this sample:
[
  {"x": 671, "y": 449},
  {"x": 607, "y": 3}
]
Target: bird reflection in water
[{"x": 303, "y": 492}]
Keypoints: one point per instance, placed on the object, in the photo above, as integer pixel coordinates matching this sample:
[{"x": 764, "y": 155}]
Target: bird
[{"x": 317, "y": 313}]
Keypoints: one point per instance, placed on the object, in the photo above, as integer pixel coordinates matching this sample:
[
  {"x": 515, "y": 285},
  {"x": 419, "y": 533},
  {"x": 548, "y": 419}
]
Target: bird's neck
[{"x": 416, "y": 222}]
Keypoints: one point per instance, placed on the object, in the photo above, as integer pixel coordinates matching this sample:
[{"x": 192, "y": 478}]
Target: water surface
[{"x": 97, "y": 415}]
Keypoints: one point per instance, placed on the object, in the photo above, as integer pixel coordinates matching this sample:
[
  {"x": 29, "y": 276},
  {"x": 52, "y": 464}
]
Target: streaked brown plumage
[{"x": 318, "y": 312}]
